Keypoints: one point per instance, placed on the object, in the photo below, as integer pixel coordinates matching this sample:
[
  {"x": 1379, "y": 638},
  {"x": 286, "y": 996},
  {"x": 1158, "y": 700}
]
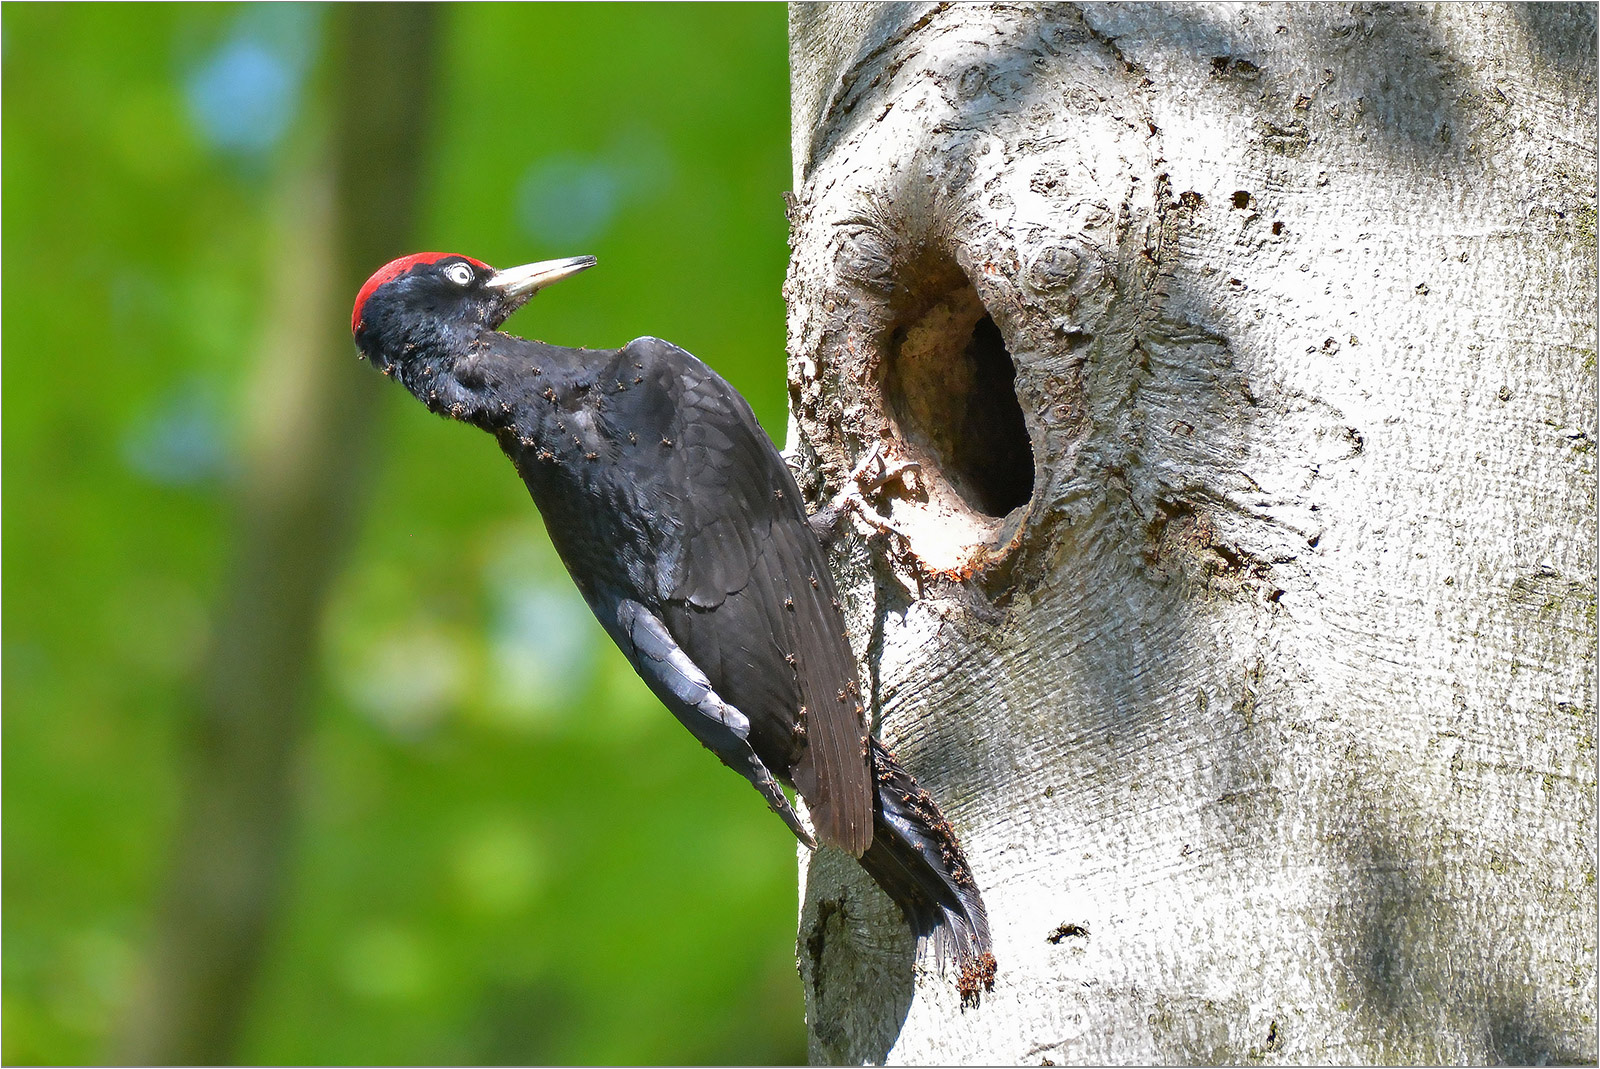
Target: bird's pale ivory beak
[{"x": 523, "y": 282}]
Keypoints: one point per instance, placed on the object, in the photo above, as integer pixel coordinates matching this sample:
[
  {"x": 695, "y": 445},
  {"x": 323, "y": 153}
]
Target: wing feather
[{"x": 750, "y": 599}]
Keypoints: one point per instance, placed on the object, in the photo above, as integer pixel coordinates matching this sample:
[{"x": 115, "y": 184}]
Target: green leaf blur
[{"x": 505, "y": 851}]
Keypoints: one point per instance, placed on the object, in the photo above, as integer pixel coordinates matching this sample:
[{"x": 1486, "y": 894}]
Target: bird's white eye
[{"x": 460, "y": 274}]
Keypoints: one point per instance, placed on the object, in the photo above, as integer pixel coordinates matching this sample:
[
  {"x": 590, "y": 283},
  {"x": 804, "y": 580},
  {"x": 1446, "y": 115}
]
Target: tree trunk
[{"x": 1241, "y": 613}]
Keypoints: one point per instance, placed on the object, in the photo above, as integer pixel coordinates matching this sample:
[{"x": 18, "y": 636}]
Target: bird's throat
[{"x": 536, "y": 399}]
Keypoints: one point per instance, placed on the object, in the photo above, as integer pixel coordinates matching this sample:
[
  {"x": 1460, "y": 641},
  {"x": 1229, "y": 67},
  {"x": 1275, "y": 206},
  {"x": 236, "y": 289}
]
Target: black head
[{"x": 436, "y": 303}]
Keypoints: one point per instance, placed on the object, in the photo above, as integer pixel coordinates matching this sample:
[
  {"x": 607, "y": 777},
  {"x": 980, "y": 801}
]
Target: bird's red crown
[{"x": 394, "y": 269}]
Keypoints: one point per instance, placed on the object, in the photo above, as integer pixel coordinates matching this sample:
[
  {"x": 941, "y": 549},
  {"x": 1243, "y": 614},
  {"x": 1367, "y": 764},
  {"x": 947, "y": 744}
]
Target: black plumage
[{"x": 684, "y": 531}]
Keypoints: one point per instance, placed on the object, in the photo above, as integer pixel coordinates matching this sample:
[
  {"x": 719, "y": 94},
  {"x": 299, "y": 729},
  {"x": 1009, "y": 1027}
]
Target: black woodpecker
[{"x": 684, "y": 530}]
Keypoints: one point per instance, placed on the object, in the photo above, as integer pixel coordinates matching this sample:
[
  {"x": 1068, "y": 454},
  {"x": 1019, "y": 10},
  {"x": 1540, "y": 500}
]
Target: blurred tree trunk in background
[
  {"x": 1253, "y": 658},
  {"x": 352, "y": 206}
]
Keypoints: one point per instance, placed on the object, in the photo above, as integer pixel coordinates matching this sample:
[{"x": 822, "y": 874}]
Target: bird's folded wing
[{"x": 757, "y": 607}]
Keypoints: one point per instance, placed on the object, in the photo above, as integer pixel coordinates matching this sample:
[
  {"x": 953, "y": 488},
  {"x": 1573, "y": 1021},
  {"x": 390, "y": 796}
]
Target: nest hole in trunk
[{"x": 950, "y": 387}]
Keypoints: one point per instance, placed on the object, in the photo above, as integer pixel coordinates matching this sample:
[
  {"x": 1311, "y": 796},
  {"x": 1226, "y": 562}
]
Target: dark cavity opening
[{"x": 951, "y": 388}]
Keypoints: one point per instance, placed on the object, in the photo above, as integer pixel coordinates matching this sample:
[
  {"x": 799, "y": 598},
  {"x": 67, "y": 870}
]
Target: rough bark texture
[{"x": 1256, "y": 670}]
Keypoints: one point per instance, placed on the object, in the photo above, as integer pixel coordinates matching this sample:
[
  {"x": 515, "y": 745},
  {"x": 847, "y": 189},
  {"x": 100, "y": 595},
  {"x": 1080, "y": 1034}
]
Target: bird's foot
[
  {"x": 877, "y": 471},
  {"x": 870, "y": 477}
]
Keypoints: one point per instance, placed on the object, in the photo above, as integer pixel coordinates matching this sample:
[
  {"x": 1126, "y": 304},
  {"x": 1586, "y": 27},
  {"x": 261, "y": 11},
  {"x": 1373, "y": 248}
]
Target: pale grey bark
[{"x": 1267, "y": 714}]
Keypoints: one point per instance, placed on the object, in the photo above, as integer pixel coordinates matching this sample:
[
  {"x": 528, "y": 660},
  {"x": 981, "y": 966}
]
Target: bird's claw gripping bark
[
  {"x": 870, "y": 482},
  {"x": 869, "y": 478}
]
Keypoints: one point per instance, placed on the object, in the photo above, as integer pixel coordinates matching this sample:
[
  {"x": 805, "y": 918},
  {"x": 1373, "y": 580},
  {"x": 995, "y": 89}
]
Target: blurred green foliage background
[{"x": 502, "y": 849}]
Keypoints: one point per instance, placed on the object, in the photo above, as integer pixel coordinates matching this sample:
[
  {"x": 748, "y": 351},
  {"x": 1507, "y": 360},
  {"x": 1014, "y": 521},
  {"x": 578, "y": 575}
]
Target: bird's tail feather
[{"x": 918, "y": 862}]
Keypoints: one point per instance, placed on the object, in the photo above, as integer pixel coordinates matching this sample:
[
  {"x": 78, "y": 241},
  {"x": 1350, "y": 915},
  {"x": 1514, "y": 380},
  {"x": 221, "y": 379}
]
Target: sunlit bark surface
[{"x": 1246, "y": 634}]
